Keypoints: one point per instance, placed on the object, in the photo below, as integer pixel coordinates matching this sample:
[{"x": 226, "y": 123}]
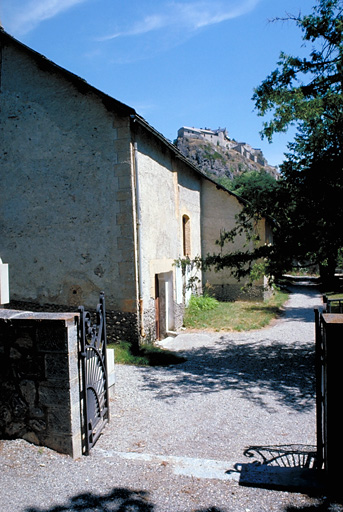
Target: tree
[
  {"x": 306, "y": 205},
  {"x": 254, "y": 186}
]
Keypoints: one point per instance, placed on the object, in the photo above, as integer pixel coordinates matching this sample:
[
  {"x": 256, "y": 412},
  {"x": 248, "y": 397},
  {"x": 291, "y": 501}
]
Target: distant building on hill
[{"x": 220, "y": 137}]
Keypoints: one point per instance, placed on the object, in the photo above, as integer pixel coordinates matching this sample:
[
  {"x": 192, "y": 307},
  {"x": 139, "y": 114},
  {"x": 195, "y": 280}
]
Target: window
[{"x": 186, "y": 235}]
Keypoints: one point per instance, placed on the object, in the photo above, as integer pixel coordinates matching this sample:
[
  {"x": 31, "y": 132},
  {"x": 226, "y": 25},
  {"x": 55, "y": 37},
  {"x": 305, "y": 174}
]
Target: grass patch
[
  {"x": 205, "y": 313},
  {"x": 145, "y": 355},
  {"x": 335, "y": 296},
  {"x": 235, "y": 316}
]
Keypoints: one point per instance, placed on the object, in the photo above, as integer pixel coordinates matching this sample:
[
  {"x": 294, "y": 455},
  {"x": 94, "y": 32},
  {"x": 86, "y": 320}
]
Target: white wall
[
  {"x": 66, "y": 208},
  {"x": 168, "y": 190}
]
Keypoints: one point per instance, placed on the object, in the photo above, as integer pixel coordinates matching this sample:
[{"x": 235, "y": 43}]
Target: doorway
[{"x": 164, "y": 304}]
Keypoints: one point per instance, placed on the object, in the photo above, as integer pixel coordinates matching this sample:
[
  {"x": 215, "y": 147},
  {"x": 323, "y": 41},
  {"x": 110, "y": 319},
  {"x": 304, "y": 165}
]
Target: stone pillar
[
  {"x": 39, "y": 380},
  {"x": 332, "y": 386}
]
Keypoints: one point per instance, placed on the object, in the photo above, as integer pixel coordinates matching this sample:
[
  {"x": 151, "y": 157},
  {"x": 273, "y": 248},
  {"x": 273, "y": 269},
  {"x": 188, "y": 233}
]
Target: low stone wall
[
  {"x": 232, "y": 292},
  {"x": 119, "y": 326},
  {"x": 39, "y": 380}
]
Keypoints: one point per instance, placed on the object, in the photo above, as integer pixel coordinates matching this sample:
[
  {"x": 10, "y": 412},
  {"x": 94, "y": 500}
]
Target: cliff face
[{"x": 218, "y": 161}]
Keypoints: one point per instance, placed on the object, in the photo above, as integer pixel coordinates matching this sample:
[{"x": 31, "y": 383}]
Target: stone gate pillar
[{"x": 39, "y": 379}]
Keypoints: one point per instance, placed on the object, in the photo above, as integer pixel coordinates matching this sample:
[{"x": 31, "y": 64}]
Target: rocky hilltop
[{"x": 217, "y": 155}]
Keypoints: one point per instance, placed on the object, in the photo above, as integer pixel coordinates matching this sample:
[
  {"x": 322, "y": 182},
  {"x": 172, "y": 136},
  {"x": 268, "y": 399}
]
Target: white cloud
[
  {"x": 25, "y": 16},
  {"x": 148, "y": 24},
  {"x": 189, "y": 16}
]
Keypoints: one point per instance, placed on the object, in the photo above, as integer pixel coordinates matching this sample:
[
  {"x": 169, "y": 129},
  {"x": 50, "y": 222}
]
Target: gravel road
[{"x": 178, "y": 436}]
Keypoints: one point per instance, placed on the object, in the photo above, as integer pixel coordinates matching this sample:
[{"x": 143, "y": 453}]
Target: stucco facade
[
  {"x": 220, "y": 208},
  {"x": 93, "y": 198}
]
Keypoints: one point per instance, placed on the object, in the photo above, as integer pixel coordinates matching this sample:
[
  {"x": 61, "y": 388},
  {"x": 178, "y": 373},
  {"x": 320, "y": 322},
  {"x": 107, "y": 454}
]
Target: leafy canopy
[{"x": 305, "y": 204}]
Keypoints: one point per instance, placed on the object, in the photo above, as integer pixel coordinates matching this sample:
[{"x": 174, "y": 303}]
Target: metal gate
[{"x": 94, "y": 375}]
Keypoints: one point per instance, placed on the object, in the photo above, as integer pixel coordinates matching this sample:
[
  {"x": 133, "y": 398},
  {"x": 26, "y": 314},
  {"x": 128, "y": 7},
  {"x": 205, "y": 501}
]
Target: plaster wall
[
  {"x": 168, "y": 190},
  {"x": 219, "y": 209},
  {"x": 66, "y": 215}
]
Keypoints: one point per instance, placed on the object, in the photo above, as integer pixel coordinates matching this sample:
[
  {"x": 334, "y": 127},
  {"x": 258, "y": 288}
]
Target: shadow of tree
[
  {"x": 298, "y": 314},
  {"x": 253, "y": 369},
  {"x": 119, "y": 500},
  {"x": 127, "y": 500}
]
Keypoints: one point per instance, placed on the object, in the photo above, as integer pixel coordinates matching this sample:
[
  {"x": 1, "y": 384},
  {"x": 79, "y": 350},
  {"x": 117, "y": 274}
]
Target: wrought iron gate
[{"x": 94, "y": 374}]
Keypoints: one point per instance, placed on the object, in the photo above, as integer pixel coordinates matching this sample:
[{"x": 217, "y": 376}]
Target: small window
[{"x": 186, "y": 235}]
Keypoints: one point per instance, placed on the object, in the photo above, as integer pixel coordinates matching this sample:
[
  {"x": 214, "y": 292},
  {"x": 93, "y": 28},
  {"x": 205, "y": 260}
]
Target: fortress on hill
[{"x": 220, "y": 137}]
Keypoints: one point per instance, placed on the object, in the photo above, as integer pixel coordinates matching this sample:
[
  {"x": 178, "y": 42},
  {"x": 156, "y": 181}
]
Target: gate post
[
  {"x": 332, "y": 390},
  {"x": 319, "y": 367}
]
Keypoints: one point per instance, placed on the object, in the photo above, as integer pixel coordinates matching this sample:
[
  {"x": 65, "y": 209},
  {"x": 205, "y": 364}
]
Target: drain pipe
[{"x": 139, "y": 245}]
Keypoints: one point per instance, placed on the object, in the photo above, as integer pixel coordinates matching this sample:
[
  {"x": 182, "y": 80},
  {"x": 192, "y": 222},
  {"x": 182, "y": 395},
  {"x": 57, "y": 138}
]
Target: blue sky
[{"x": 178, "y": 63}]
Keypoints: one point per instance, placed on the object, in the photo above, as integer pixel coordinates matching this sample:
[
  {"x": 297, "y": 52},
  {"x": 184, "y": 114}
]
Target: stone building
[
  {"x": 220, "y": 137},
  {"x": 93, "y": 198}
]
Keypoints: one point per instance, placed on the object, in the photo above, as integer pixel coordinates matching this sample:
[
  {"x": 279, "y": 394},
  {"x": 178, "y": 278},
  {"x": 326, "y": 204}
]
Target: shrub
[{"x": 202, "y": 303}]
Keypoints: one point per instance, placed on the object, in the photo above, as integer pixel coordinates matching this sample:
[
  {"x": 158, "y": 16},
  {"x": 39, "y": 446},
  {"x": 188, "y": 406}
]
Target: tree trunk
[{"x": 327, "y": 274}]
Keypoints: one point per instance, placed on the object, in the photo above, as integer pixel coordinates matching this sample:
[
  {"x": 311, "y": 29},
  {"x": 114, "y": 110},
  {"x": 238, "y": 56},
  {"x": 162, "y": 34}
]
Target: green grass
[
  {"x": 235, "y": 316},
  {"x": 204, "y": 313},
  {"x": 145, "y": 355},
  {"x": 332, "y": 295}
]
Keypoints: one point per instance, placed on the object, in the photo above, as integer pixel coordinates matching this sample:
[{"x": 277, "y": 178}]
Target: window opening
[{"x": 186, "y": 235}]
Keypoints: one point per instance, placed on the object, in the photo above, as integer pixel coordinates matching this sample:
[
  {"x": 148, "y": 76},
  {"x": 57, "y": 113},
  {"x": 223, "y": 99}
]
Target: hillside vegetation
[{"x": 219, "y": 163}]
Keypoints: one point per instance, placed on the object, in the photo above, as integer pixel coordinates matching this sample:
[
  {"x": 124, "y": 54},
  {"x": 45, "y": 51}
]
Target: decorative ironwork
[{"x": 94, "y": 373}]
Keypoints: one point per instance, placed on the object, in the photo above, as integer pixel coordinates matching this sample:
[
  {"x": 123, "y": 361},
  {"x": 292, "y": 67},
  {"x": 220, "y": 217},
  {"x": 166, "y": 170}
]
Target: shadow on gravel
[
  {"x": 257, "y": 371},
  {"x": 126, "y": 500},
  {"x": 298, "y": 314},
  {"x": 119, "y": 500}
]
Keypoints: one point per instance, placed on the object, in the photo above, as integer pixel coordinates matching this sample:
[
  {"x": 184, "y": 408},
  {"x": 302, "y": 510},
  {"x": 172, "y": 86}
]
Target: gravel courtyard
[{"x": 178, "y": 436}]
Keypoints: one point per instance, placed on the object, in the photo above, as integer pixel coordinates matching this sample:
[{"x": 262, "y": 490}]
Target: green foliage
[
  {"x": 144, "y": 355},
  {"x": 303, "y": 89},
  {"x": 212, "y": 155},
  {"x": 305, "y": 205},
  {"x": 224, "y": 181},
  {"x": 340, "y": 259},
  {"x": 202, "y": 303},
  {"x": 191, "y": 268},
  {"x": 256, "y": 187},
  {"x": 250, "y": 183}
]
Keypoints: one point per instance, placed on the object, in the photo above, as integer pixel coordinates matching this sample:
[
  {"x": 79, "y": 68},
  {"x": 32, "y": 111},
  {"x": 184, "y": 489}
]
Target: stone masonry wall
[
  {"x": 120, "y": 326},
  {"x": 39, "y": 380}
]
